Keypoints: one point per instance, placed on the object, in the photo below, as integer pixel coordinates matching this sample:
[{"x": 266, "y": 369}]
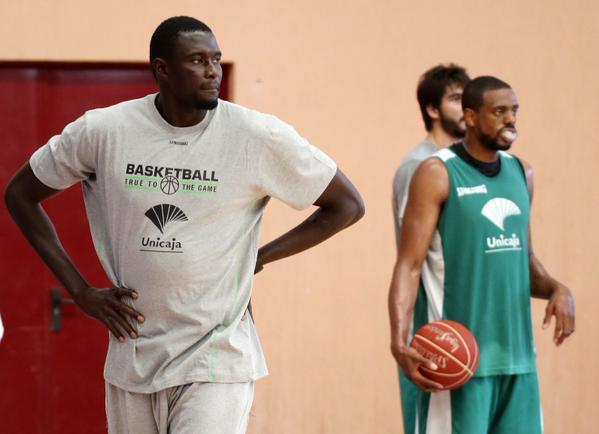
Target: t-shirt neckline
[{"x": 164, "y": 125}]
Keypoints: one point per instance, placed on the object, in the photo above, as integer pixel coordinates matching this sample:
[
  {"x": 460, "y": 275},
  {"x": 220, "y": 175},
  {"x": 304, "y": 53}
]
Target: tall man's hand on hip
[{"x": 107, "y": 305}]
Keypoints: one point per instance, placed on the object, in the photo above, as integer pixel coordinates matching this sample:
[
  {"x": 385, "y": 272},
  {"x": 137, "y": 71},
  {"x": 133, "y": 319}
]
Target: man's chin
[
  {"x": 496, "y": 146},
  {"x": 453, "y": 128},
  {"x": 502, "y": 145},
  {"x": 206, "y": 104},
  {"x": 459, "y": 134}
]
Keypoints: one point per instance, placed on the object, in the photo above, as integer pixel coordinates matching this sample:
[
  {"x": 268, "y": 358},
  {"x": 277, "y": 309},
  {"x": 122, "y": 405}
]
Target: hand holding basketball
[
  {"x": 411, "y": 362},
  {"x": 454, "y": 350}
]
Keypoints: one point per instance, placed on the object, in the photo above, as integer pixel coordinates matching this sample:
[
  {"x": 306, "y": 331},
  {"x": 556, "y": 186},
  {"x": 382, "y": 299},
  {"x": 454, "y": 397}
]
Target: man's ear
[
  {"x": 433, "y": 112},
  {"x": 160, "y": 69},
  {"x": 470, "y": 117}
]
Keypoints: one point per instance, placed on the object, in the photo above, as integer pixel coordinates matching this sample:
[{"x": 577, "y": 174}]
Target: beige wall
[{"x": 344, "y": 74}]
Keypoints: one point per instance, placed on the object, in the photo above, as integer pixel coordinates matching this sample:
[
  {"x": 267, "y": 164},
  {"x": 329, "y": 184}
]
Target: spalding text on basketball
[
  {"x": 437, "y": 359},
  {"x": 448, "y": 337}
]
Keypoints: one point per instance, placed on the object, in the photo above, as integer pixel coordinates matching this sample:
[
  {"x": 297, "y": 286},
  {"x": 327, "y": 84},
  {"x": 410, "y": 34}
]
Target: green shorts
[{"x": 500, "y": 404}]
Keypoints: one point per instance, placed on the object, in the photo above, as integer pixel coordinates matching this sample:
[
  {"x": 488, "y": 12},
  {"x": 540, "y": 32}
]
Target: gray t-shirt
[
  {"x": 175, "y": 214},
  {"x": 434, "y": 265},
  {"x": 403, "y": 176}
]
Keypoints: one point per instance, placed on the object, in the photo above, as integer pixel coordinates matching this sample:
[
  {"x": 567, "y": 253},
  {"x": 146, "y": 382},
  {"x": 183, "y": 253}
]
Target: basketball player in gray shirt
[
  {"x": 180, "y": 172},
  {"x": 440, "y": 99}
]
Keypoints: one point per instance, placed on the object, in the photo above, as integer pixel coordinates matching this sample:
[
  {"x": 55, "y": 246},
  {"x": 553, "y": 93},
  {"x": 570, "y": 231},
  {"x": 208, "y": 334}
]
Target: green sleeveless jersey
[{"x": 482, "y": 278}]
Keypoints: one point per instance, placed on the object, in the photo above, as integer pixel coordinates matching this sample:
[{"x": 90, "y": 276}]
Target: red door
[{"x": 52, "y": 355}]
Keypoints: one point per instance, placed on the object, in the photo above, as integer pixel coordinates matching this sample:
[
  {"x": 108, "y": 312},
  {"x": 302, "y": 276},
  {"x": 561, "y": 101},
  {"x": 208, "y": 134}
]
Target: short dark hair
[
  {"x": 166, "y": 33},
  {"x": 472, "y": 98},
  {"x": 432, "y": 85}
]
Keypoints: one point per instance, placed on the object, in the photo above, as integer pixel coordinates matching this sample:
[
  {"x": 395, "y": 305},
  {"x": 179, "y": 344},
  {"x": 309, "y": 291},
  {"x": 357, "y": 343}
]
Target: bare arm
[
  {"x": 542, "y": 285},
  {"x": 339, "y": 206},
  {"x": 428, "y": 192},
  {"x": 23, "y": 198}
]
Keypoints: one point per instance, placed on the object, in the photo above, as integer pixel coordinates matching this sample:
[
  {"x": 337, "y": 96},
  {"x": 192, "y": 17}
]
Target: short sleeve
[
  {"x": 401, "y": 186},
  {"x": 67, "y": 158},
  {"x": 401, "y": 189},
  {"x": 291, "y": 169}
]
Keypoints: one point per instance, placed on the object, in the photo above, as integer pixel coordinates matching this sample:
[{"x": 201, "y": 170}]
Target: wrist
[
  {"x": 399, "y": 351},
  {"x": 560, "y": 289},
  {"x": 399, "y": 343},
  {"x": 264, "y": 256},
  {"x": 79, "y": 291}
]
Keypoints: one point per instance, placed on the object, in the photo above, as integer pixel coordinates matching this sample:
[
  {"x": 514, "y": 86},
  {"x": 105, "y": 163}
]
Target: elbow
[
  {"x": 356, "y": 209},
  {"x": 11, "y": 197},
  {"x": 343, "y": 213},
  {"x": 359, "y": 208},
  {"x": 15, "y": 197}
]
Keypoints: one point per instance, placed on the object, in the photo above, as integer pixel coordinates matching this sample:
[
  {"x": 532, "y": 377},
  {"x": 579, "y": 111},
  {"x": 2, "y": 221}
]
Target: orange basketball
[{"x": 452, "y": 347}]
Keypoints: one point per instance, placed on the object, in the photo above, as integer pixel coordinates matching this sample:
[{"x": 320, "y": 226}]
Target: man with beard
[
  {"x": 175, "y": 185},
  {"x": 476, "y": 198},
  {"x": 439, "y": 96}
]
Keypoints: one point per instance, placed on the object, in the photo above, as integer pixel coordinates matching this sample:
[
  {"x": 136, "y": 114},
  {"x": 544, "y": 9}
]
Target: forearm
[
  {"x": 322, "y": 224},
  {"x": 542, "y": 285},
  {"x": 39, "y": 231},
  {"x": 561, "y": 301},
  {"x": 402, "y": 298}
]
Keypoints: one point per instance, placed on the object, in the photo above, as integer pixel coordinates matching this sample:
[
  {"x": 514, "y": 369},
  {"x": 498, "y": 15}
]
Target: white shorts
[{"x": 196, "y": 408}]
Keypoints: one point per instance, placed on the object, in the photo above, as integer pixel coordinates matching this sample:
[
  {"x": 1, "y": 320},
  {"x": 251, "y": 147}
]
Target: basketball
[
  {"x": 452, "y": 347},
  {"x": 169, "y": 185}
]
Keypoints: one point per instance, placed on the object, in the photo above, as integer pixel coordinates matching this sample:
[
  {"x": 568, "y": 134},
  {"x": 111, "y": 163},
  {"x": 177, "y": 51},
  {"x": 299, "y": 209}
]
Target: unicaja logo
[
  {"x": 498, "y": 209},
  {"x": 163, "y": 214},
  {"x": 503, "y": 242}
]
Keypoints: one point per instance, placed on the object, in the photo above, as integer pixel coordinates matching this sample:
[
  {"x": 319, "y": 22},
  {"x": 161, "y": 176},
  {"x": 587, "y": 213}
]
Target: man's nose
[
  {"x": 509, "y": 118},
  {"x": 211, "y": 70}
]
